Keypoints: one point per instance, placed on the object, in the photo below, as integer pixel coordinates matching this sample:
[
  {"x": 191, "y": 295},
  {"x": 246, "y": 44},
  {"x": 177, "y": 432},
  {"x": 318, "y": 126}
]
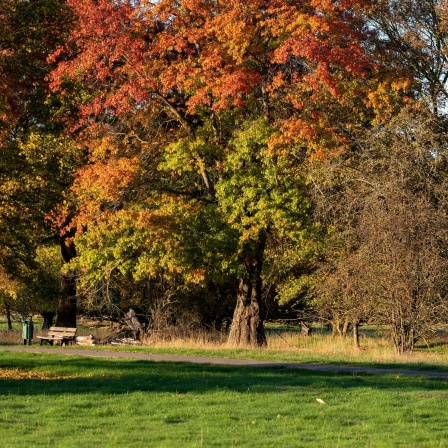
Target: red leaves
[
  {"x": 195, "y": 57},
  {"x": 214, "y": 54}
]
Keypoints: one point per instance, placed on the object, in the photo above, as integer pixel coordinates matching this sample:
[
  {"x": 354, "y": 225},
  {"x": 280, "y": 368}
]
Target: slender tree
[{"x": 388, "y": 212}]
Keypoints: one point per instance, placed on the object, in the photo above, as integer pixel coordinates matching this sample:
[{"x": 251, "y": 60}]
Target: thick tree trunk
[
  {"x": 247, "y": 324},
  {"x": 48, "y": 318},
  {"x": 66, "y": 314}
]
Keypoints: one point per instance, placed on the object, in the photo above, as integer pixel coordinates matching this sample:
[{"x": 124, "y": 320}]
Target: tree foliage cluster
[{"x": 192, "y": 155}]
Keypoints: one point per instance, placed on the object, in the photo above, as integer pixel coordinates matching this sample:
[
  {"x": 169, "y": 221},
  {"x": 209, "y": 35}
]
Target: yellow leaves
[
  {"x": 18, "y": 374},
  {"x": 8, "y": 286},
  {"x": 104, "y": 146},
  {"x": 401, "y": 84},
  {"x": 388, "y": 96},
  {"x": 196, "y": 276},
  {"x": 305, "y": 23}
]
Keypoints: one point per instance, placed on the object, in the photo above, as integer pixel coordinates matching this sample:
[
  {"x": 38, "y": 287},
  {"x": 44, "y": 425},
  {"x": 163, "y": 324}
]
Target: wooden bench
[{"x": 60, "y": 335}]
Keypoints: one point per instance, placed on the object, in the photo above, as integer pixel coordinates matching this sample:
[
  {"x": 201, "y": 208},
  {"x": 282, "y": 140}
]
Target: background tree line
[{"x": 222, "y": 159}]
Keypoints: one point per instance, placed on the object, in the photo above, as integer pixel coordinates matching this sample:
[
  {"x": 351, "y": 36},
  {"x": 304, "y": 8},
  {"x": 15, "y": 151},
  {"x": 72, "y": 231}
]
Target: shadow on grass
[
  {"x": 114, "y": 377},
  {"x": 268, "y": 356}
]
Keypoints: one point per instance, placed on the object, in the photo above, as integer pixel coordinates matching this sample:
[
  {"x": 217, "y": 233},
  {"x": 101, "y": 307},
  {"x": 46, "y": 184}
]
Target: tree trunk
[
  {"x": 66, "y": 314},
  {"x": 336, "y": 328},
  {"x": 404, "y": 338},
  {"x": 247, "y": 324},
  {"x": 356, "y": 334},
  {"x": 339, "y": 328},
  {"x": 48, "y": 318},
  {"x": 345, "y": 327},
  {"x": 8, "y": 318}
]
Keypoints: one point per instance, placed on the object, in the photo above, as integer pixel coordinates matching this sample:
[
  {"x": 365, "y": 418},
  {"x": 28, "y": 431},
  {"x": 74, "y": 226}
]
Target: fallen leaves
[{"x": 17, "y": 374}]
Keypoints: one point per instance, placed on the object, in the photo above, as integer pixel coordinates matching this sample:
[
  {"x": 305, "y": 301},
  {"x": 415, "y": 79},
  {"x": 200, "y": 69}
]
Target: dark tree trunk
[
  {"x": 48, "y": 318},
  {"x": 8, "y": 318},
  {"x": 247, "y": 324},
  {"x": 66, "y": 314}
]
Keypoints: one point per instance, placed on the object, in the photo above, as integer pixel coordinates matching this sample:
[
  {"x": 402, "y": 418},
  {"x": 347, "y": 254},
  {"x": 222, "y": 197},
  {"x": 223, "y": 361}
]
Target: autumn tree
[
  {"x": 37, "y": 161},
  {"x": 389, "y": 212},
  {"x": 410, "y": 41},
  {"x": 411, "y": 36},
  {"x": 196, "y": 116}
]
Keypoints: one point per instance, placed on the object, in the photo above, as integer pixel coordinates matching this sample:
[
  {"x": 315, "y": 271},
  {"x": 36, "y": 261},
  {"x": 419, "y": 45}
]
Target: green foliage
[
  {"x": 264, "y": 192},
  {"x": 185, "y": 155},
  {"x": 259, "y": 191},
  {"x": 37, "y": 289},
  {"x": 36, "y": 164},
  {"x": 45, "y": 285}
]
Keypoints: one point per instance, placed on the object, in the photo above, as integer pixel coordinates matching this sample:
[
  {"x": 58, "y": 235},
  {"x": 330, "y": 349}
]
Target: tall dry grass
[
  {"x": 290, "y": 346},
  {"x": 376, "y": 346}
]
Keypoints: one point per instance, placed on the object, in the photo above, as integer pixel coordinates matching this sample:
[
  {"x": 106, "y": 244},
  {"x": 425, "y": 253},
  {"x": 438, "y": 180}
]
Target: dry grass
[
  {"x": 375, "y": 350},
  {"x": 376, "y": 347},
  {"x": 19, "y": 374},
  {"x": 11, "y": 337}
]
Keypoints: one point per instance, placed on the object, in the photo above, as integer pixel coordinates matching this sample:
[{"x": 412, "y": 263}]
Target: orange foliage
[
  {"x": 301, "y": 65},
  {"x": 214, "y": 53}
]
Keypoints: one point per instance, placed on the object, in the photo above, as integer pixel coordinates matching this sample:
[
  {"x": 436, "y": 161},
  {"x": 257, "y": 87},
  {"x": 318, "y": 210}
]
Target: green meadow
[{"x": 63, "y": 401}]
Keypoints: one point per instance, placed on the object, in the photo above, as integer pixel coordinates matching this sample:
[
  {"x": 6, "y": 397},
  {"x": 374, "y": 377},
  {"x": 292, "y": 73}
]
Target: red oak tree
[{"x": 203, "y": 111}]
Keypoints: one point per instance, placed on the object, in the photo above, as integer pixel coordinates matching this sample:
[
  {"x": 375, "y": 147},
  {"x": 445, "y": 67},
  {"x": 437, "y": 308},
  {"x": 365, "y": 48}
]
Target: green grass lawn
[{"x": 61, "y": 401}]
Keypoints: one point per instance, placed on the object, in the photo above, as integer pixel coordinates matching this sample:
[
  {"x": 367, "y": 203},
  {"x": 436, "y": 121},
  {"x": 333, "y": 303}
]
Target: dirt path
[{"x": 220, "y": 361}]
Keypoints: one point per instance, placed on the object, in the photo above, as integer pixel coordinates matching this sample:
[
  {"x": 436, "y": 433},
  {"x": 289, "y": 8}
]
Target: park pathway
[{"x": 222, "y": 361}]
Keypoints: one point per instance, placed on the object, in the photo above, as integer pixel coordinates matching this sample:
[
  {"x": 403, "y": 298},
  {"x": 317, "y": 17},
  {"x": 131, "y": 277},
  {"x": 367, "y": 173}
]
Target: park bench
[{"x": 60, "y": 335}]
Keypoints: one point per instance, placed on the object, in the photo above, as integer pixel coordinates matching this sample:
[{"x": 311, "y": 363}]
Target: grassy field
[{"x": 61, "y": 401}]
